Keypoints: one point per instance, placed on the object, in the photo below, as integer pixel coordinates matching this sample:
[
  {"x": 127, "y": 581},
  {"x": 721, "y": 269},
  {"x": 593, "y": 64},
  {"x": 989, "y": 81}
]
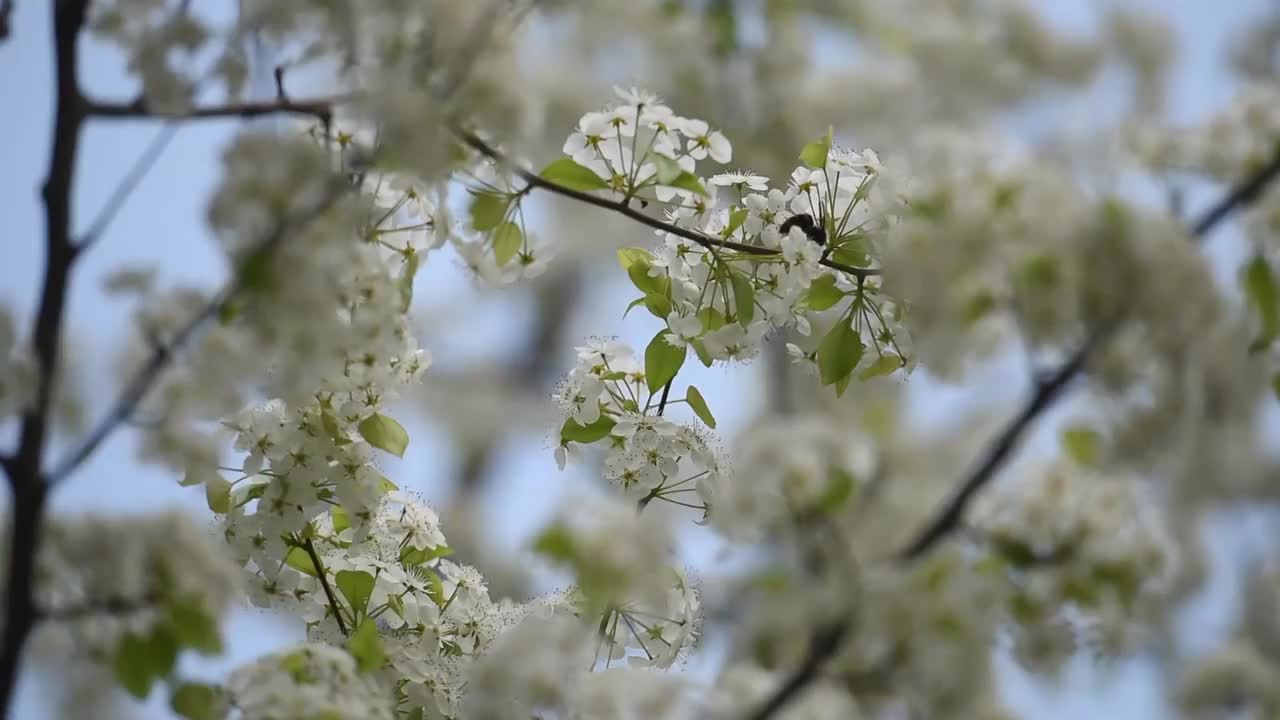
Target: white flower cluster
[
  {"x": 788, "y": 471},
  {"x": 622, "y": 561},
  {"x": 1071, "y": 537},
  {"x": 311, "y": 681},
  {"x": 105, "y": 580},
  {"x": 606, "y": 399}
]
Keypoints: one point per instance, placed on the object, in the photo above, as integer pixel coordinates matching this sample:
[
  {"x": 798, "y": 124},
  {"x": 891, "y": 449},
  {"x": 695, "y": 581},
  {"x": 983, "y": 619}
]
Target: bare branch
[
  {"x": 1048, "y": 391},
  {"x": 319, "y": 108},
  {"x": 162, "y": 353},
  {"x": 622, "y": 208},
  {"x": 128, "y": 184}
]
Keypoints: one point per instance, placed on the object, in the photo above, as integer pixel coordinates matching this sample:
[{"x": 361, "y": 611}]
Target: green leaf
[
  {"x": 850, "y": 253},
  {"x": 1260, "y": 289},
  {"x": 357, "y": 587},
  {"x": 712, "y": 319},
  {"x": 366, "y": 647},
  {"x": 567, "y": 173},
  {"x": 667, "y": 169},
  {"x": 840, "y": 486},
  {"x": 384, "y": 433},
  {"x": 197, "y": 701},
  {"x": 658, "y": 305},
  {"x": 839, "y": 353},
  {"x": 586, "y": 434},
  {"x": 217, "y": 492},
  {"x": 1081, "y": 444},
  {"x": 385, "y": 484},
  {"x": 662, "y": 361},
  {"x": 634, "y": 304},
  {"x": 488, "y": 210},
  {"x": 823, "y": 293},
  {"x": 194, "y": 628},
  {"x": 412, "y": 556},
  {"x": 133, "y": 665},
  {"x": 814, "y": 154},
  {"x": 637, "y": 263},
  {"x": 411, "y": 262},
  {"x": 555, "y": 543},
  {"x": 688, "y": 181},
  {"x": 629, "y": 256},
  {"x": 507, "y": 240},
  {"x": 699, "y": 405},
  {"x": 885, "y": 365},
  {"x": 703, "y": 356},
  {"x": 744, "y": 297},
  {"x": 736, "y": 218},
  {"x": 298, "y": 559},
  {"x": 341, "y": 521}
]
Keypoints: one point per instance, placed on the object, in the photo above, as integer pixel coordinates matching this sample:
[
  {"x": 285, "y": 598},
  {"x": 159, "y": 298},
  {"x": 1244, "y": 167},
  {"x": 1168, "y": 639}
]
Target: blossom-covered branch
[
  {"x": 624, "y": 208},
  {"x": 1047, "y": 391}
]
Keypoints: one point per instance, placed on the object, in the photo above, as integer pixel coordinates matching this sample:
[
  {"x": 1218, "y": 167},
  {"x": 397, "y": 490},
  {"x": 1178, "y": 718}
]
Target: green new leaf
[
  {"x": 658, "y": 305},
  {"x": 1081, "y": 444},
  {"x": 736, "y": 218},
  {"x": 133, "y": 665},
  {"x": 298, "y": 559},
  {"x": 634, "y": 304},
  {"x": 194, "y": 628},
  {"x": 197, "y": 701},
  {"x": 885, "y": 365},
  {"x": 667, "y": 169},
  {"x": 357, "y": 587},
  {"x": 217, "y": 492},
  {"x": 385, "y": 484},
  {"x": 341, "y": 521},
  {"x": 567, "y": 173},
  {"x": 366, "y": 647},
  {"x": 411, "y": 262},
  {"x": 629, "y": 256},
  {"x": 586, "y": 434},
  {"x": 814, "y": 154},
  {"x": 823, "y": 293},
  {"x": 384, "y": 433},
  {"x": 1260, "y": 289},
  {"x": 662, "y": 361},
  {"x": 412, "y": 556},
  {"x": 839, "y": 353},
  {"x": 507, "y": 240},
  {"x": 488, "y": 210},
  {"x": 555, "y": 543},
  {"x": 637, "y": 263},
  {"x": 744, "y": 297},
  {"x": 699, "y": 405},
  {"x": 688, "y": 181},
  {"x": 840, "y": 486}
]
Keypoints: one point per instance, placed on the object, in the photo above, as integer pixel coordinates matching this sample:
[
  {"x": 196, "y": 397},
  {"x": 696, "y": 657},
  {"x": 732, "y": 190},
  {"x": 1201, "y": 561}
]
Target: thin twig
[
  {"x": 1048, "y": 390},
  {"x": 128, "y": 184},
  {"x": 622, "y": 208},
  {"x": 163, "y": 352},
  {"x": 666, "y": 390},
  {"x": 310, "y": 547}
]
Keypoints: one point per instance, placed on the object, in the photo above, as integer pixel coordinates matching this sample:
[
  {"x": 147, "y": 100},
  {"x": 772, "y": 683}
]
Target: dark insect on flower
[{"x": 812, "y": 229}]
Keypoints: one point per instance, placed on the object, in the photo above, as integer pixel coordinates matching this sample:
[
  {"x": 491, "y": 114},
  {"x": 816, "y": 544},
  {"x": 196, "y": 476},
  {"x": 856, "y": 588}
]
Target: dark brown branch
[
  {"x": 1048, "y": 390},
  {"x": 622, "y": 208},
  {"x": 29, "y": 490},
  {"x": 825, "y": 643},
  {"x": 320, "y": 108},
  {"x": 162, "y": 354},
  {"x": 310, "y": 548},
  {"x": 6, "y": 12}
]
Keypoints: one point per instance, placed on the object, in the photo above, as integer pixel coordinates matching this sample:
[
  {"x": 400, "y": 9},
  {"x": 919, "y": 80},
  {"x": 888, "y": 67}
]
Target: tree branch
[
  {"x": 622, "y": 208},
  {"x": 310, "y": 548},
  {"x": 824, "y": 644},
  {"x": 98, "y": 227},
  {"x": 1047, "y": 392},
  {"x": 29, "y": 490},
  {"x": 319, "y": 108},
  {"x": 162, "y": 354}
]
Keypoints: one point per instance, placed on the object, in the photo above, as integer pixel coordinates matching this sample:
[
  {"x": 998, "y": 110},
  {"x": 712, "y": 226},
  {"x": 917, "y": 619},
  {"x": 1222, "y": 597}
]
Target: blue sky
[{"x": 162, "y": 226}]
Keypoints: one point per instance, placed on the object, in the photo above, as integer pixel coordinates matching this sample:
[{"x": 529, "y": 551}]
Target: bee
[{"x": 813, "y": 229}]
